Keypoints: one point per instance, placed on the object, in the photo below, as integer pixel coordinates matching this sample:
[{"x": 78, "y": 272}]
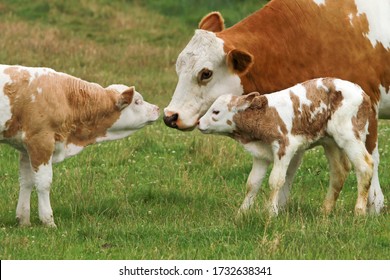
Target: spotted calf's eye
[
  {"x": 215, "y": 112},
  {"x": 138, "y": 101},
  {"x": 205, "y": 76}
]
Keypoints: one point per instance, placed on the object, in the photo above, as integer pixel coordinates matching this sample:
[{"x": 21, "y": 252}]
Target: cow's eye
[
  {"x": 138, "y": 101},
  {"x": 215, "y": 112},
  {"x": 205, "y": 75}
]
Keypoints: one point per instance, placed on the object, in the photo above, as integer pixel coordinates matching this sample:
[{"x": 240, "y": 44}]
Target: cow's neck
[
  {"x": 269, "y": 43},
  {"x": 268, "y": 35}
]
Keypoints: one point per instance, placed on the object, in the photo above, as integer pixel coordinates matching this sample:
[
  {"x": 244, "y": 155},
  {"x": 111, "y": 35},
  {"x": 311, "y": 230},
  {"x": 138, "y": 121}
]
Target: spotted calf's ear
[
  {"x": 251, "y": 100},
  {"x": 239, "y": 62},
  {"x": 249, "y": 97},
  {"x": 125, "y": 98},
  {"x": 213, "y": 22},
  {"x": 256, "y": 100}
]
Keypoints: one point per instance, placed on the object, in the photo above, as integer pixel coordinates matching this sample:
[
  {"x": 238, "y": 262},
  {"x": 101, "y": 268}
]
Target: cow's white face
[
  {"x": 204, "y": 74},
  {"x": 219, "y": 118}
]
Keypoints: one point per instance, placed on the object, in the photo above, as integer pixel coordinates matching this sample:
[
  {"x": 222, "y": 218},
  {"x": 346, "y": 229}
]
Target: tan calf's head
[
  {"x": 135, "y": 111},
  {"x": 219, "y": 118}
]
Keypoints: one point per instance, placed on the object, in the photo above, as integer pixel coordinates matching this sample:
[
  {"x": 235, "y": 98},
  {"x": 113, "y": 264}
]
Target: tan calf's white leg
[
  {"x": 256, "y": 176},
  {"x": 43, "y": 178},
  {"x": 40, "y": 149},
  {"x": 26, "y": 181},
  {"x": 339, "y": 167}
]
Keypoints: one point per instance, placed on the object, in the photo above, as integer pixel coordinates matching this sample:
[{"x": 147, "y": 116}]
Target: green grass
[{"x": 162, "y": 194}]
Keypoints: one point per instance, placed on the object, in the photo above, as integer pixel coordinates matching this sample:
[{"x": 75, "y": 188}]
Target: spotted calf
[
  {"x": 280, "y": 126},
  {"x": 49, "y": 116}
]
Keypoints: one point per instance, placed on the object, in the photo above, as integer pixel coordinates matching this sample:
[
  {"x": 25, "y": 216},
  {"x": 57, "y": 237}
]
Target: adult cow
[{"x": 286, "y": 42}]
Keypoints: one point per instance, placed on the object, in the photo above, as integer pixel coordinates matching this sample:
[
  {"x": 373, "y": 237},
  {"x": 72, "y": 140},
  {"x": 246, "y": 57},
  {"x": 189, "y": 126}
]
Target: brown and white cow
[
  {"x": 49, "y": 116},
  {"x": 330, "y": 112},
  {"x": 282, "y": 44}
]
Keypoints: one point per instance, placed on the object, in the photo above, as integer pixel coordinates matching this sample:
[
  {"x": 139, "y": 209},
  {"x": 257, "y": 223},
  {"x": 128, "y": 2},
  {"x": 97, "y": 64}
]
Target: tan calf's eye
[{"x": 205, "y": 76}]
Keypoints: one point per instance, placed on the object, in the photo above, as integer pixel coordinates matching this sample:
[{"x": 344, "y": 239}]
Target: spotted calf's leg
[
  {"x": 256, "y": 176},
  {"x": 363, "y": 165},
  {"x": 290, "y": 175},
  {"x": 339, "y": 167},
  {"x": 40, "y": 149},
  {"x": 364, "y": 171},
  {"x": 26, "y": 181},
  {"x": 277, "y": 178}
]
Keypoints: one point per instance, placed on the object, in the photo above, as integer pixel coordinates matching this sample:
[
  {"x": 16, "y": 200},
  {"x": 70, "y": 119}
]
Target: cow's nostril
[{"x": 171, "y": 120}]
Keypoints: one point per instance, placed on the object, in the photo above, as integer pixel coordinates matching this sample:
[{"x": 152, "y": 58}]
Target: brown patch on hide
[
  {"x": 309, "y": 120},
  {"x": 335, "y": 97},
  {"x": 259, "y": 122},
  {"x": 360, "y": 121}
]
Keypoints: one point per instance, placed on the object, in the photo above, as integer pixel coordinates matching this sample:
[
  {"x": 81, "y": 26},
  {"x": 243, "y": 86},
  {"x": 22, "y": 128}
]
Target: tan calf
[{"x": 49, "y": 116}]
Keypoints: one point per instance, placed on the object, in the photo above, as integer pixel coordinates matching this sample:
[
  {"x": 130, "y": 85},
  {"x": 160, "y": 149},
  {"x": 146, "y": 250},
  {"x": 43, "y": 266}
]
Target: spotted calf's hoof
[
  {"x": 273, "y": 210},
  {"x": 360, "y": 211},
  {"x": 327, "y": 208},
  {"x": 241, "y": 215}
]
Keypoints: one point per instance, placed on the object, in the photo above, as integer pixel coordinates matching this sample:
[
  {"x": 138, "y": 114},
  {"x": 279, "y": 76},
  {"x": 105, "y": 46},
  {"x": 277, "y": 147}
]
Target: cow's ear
[
  {"x": 239, "y": 62},
  {"x": 125, "y": 98},
  {"x": 213, "y": 22}
]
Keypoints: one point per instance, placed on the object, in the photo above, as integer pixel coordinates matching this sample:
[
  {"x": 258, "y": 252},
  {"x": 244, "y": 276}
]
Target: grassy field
[{"x": 162, "y": 194}]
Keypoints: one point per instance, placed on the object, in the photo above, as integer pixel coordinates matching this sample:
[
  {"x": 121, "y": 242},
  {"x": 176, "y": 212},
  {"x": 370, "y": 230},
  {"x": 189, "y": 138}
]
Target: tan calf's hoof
[{"x": 23, "y": 222}]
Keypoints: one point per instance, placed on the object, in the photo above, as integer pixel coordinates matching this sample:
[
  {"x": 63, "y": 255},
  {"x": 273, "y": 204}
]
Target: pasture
[{"x": 161, "y": 193}]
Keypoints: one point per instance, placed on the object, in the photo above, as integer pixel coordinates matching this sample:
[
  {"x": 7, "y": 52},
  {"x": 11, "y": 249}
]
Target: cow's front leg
[
  {"x": 26, "y": 181},
  {"x": 256, "y": 176}
]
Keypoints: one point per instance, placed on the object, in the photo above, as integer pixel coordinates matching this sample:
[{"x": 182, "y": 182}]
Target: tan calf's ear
[
  {"x": 239, "y": 62},
  {"x": 213, "y": 22},
  {"x": 125, "y": 98}
]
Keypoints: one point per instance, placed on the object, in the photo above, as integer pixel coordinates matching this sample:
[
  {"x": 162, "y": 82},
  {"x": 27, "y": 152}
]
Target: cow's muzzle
[{"x": 170, "y": 119}]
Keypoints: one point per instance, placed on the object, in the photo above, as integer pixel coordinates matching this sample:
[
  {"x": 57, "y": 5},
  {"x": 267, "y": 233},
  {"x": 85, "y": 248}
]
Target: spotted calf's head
[
  {"x": 135, "y": 112},
  {"x": 206, "y": 69},
  {"x": 219, "y": 119}
]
